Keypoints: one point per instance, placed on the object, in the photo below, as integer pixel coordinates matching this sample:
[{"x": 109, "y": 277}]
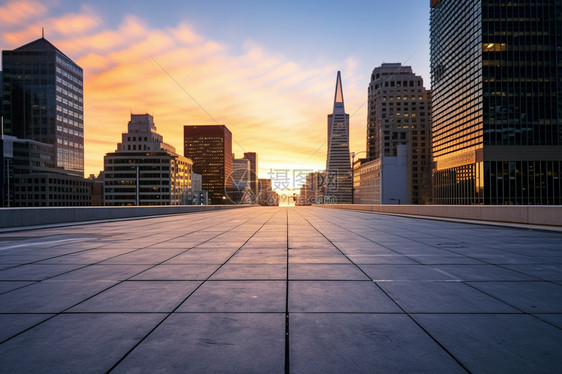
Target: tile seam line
[
  {"x": 450, "y": 354},
  {"x": 468, "y": 283},
  {"x": 38, "y": 262},
  {"x": 287, "y": 321},
  {"x": 188, "y": 296},
  {"x": 114, "y": 285},
  {"x": 483, "y": 262}
]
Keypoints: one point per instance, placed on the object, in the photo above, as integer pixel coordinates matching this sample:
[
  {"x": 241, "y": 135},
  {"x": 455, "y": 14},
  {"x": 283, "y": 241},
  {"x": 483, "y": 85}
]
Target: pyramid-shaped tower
[{"x": 338, "y": 163}]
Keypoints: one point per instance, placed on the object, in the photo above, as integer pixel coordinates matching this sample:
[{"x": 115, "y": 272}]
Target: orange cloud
[
  {"x": 73, "y": 25},
  {"x": 16, "y": 12},
  {"x": 274, "y": 105}
]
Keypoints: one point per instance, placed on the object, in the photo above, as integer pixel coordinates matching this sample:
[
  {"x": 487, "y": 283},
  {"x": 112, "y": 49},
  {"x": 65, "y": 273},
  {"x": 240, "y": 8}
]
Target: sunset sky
[{"x": 265, "y": 69}]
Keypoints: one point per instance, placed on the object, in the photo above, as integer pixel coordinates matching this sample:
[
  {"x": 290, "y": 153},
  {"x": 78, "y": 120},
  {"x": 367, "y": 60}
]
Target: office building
[
  {"x": 144, "y": 170},
  {"x": 241, "y": 192},
  {"x": 312, "y": 192},
  {"x": 197, "y": 195},
  {"x": 496, "y": 101},
  {"x": 266, "y": 195},
  {"x": 32, "y": 179},
  {"x": 210, "y": 149},
  {"x": 398, "y": 115},
  {"x": 253, "y": 158},
  {"x": 241, "y": 172},
  {"x": 42, "y": 100},
  {"x": 384, "y": 180},
  {"x": 338, "y": 162}
]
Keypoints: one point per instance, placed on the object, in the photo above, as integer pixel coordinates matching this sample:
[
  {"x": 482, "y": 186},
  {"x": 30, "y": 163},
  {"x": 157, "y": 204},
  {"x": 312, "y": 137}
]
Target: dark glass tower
[
  {"x": 210, "y": 149},
  {"x": 496, "y": 70},
  {"x": 42, "y": 100},
  {"x": 338, "y": 163}
]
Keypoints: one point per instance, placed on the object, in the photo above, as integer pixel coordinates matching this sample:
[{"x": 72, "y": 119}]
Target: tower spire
[
  {"x": 43, "y": 32},
  {"x": 338, "y": 96}
]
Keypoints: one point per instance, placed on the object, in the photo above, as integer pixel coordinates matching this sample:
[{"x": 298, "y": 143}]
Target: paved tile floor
[{"x": 278, "y": 290}]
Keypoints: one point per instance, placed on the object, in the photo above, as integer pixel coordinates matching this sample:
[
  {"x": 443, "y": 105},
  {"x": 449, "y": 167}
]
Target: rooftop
[{"x": 279, "y": 290}]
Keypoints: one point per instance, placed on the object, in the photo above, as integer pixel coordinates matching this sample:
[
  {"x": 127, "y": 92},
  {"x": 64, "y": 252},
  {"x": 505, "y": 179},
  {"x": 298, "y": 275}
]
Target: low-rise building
[
  {"x": 266, "y": 195},
  {"x": 383, "y": 180}
]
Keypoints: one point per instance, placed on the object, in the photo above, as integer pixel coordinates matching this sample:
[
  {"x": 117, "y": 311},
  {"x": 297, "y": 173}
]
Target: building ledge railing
[
  {"x": 25, "y": 217},
  {"x": 516, "y": 214}
]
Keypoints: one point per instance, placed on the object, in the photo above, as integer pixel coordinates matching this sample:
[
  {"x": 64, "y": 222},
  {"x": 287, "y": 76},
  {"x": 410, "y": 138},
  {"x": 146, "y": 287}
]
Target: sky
[{"x": 266, "y": 70}]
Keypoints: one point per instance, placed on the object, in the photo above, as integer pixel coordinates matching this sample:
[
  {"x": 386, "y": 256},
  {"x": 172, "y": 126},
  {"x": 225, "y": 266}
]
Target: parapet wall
[
  {"x": 521, "y": 214},
  {"x": 18, "y": 217}
]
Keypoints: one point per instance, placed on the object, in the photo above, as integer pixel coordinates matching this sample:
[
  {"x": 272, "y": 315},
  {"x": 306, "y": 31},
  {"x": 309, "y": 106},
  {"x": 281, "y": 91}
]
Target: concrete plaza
[{"x": 279, "y": 290}]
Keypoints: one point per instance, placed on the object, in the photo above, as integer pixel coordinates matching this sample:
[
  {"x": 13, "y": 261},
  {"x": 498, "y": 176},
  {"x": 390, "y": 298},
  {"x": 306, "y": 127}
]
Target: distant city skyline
[{"x": 264, "y": 70}]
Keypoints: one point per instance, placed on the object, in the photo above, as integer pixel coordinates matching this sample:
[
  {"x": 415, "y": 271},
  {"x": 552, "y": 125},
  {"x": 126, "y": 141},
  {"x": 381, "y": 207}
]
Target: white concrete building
[{"x": 384, "y": 180}]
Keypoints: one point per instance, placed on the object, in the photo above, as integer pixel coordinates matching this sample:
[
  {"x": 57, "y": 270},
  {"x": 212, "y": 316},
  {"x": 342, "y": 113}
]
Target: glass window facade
[
  {"x": 210, "y": 149},
  {"x": 399, "y": 115},
  {"x": 42, "y": 100},
  {"x": 164, "y": 177},
  {"x": 496, "y": 70}
]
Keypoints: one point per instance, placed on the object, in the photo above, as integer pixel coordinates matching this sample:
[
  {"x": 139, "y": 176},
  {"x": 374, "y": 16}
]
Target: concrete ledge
[
  {"x": 520, "y": 214},
  {"x": 18, "y": 217}
]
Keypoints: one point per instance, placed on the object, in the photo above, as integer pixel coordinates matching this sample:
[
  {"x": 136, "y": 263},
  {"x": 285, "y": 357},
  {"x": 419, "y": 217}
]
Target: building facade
[
  {"x": 266, "y": 195},
  {"x": 399, "y": 113},
  {"x": 241, "y": 192},
  {"x": 210, "y": 149},
  {"x": 144, "y": 170},
  {"x": 253, "y": 158},
  {"x": 338, "y": 161},
  {"x": 30, "y": 177},
  {"x": 496, "y": 101},
  {"x": 313, "y": 191},
  {"x": 42, "y": 100},
  {"x": 241, "y": 172},
  {"x": 383, "y": 180}
]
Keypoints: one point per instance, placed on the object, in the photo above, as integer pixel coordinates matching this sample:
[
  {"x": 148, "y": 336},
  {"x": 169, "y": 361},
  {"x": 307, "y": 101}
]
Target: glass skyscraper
[
  {"x": 496, "y": 71},
  {"x": 42, "y": 100}
]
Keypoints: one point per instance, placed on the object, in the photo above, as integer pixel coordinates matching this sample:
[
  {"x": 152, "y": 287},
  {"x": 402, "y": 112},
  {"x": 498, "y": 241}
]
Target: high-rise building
[
  {"x": 338, "y": 162},
  {"x": 496, "y": 101},
  {"x": 253, "y": 158},
  {"x": 42, "y": 100},
  {"x": 241, "y": 172},
  {"x": 210, "y": 148},
  {"x": 144, "y": 170},
  {"x": 241, "y": 192},
  {"x": 398, "y": 115}
]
